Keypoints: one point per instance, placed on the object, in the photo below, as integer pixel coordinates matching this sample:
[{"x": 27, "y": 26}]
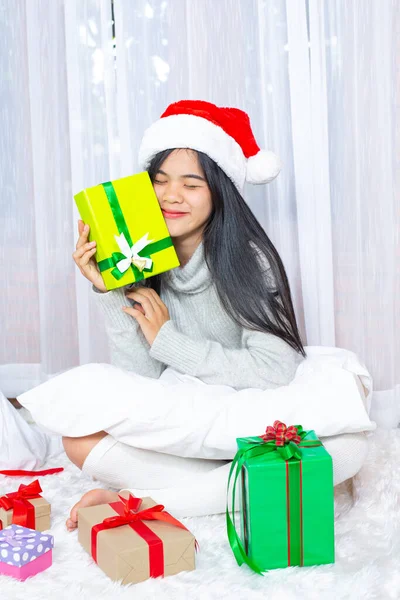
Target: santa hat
[{"x": 224, "y": 134}]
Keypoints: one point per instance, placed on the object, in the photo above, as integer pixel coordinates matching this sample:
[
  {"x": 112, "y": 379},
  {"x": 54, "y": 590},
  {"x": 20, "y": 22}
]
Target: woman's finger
[
  {"x": 79, "y": 252},
  {"x": 83, "y": 236},
  {"x": 135, "y": 313},
  {"x": 148, "y": 306},
  {"x": 139, "y": 307},
  {"x": 87, "y": 257},
  {"x": 144, "y": 291},
  {"x": 155, "y": 297},
  {"x": 130, "y": 293}
]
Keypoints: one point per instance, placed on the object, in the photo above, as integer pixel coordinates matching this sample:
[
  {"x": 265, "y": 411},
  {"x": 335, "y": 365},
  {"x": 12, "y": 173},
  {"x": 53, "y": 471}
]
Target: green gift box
[
  {"x": 132, "y": 238},
  {"x": 285, "y": 483}
]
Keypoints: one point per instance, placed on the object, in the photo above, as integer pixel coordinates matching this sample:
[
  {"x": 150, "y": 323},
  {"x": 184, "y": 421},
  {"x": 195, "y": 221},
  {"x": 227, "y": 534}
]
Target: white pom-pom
[{"x": 263, "y": 167}]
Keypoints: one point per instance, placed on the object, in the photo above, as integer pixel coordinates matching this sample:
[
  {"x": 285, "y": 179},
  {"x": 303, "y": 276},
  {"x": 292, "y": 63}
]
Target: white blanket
[
  {"x": 180, "y": 415},
  {"x": 23, "y": 446}
]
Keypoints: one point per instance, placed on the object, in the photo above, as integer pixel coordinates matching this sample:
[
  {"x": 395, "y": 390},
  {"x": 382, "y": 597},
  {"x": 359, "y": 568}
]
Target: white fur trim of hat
[{"x": 224, "y": 134}]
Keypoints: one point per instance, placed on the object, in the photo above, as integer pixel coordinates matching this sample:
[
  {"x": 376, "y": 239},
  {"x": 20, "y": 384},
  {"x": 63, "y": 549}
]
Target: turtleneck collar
[{"x": 194, "y": 277}]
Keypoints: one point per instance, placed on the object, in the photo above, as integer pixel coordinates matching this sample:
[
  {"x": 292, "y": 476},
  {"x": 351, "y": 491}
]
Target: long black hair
[{"x": 245, "y": 267}]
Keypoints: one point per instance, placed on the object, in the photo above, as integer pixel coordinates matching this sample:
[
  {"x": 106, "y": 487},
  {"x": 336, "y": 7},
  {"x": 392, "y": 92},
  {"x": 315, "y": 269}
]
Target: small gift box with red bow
[
  {"x": 135, "y": 539},
  {"x": 26, "y": 508},
  {"x": 24, "y": 552},
  {"x": 286, "y": 500}
]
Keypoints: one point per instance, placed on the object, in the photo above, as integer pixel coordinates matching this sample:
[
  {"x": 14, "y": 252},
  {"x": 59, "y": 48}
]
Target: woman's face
[{"x": 183, "y": 194}]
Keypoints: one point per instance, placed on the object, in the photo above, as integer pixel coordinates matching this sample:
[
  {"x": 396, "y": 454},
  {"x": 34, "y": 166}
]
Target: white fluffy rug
[{"x": 367, "y": 548}]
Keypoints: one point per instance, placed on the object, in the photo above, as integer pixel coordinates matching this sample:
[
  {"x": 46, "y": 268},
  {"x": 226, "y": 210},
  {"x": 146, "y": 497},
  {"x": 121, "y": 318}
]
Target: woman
[{"x": 224, "y": 317}]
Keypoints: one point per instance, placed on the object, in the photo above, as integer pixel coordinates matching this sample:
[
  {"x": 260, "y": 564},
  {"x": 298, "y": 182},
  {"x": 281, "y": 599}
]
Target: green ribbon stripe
[
  {"x": 110, "y": 263},
  {"x": 291, "y": 453}
]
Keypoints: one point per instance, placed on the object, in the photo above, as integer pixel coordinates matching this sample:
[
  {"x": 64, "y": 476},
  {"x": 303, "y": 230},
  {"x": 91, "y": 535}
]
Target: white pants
[{"x": 190, "y": 486}]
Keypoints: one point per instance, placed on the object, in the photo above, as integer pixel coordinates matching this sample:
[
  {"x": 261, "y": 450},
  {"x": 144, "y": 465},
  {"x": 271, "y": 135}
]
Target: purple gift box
[{"x": 24, "y": 552}]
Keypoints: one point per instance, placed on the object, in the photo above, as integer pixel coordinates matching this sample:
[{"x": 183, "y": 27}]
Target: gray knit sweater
[{"x": 200, "y": 339}]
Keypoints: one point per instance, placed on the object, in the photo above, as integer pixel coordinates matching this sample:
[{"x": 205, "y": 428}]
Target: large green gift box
[
  {"x": 285, "y": 481},
  {"x": 132, "y": 239}
]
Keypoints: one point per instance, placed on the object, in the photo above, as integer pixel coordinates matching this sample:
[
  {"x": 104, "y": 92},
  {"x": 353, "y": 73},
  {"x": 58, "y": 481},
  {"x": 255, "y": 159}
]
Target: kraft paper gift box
[
  {"x": 25, "y": 507},
  {"x": 134, "y": 547},
  {"x": 285, "y": 481},
  {"x": 24, "y": 552},
  {"x": 132, "y": 239}
]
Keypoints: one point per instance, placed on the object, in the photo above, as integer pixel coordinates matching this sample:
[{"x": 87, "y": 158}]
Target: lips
[{"x": 173, "y": 215}]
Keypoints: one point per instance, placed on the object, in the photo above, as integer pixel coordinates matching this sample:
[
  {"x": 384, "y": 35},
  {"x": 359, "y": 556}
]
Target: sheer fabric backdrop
[{"x": 319, "y": 81}]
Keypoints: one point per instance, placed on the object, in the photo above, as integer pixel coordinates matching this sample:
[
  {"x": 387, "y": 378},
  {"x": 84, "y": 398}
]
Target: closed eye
[
  {"x": 158, "y": 181},
  {"x": 192, "y": 187}
]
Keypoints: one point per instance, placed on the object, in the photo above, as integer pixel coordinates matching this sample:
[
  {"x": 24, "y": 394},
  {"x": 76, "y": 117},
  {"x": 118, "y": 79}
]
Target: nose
[{"x": 172, "y": 193}]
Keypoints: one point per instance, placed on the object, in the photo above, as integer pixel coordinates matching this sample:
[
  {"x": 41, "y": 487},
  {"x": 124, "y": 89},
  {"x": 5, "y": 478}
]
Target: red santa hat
[{"x": 224, "y": 134}]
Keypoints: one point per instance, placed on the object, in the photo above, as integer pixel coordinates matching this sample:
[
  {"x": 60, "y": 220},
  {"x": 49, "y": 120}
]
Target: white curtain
[{"x": 319, "y": 81}]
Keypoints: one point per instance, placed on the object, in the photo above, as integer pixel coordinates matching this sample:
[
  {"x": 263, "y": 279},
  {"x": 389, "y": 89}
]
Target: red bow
[
  {"x": 150, "y": 514},
  {"x": 23, "y": 510},
  {"x": 282, "y": 434},
  {"x": 155, "y": 513},
  {"x": 24, "y": 493}
]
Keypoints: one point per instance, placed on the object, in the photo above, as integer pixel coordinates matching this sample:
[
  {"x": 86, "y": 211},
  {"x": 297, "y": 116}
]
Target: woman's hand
[
  {"x": 151, "y": 314},
  {"x": 83, "y": 257}
]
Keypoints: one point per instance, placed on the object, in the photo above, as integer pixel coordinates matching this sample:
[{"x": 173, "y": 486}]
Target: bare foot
[{"x": 91, "y": 498}]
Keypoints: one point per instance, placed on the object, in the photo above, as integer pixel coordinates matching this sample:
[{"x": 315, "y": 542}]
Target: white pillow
[{"x": 181, "y": 415}]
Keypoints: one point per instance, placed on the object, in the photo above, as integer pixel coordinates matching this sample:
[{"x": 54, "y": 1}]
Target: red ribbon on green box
[{"x": 286, "y": 442}]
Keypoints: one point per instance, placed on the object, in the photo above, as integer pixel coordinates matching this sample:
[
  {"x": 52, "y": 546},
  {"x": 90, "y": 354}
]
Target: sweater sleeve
[
  {"x": 128, "y": 347},
  {"x": 264, "y": 361}
]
